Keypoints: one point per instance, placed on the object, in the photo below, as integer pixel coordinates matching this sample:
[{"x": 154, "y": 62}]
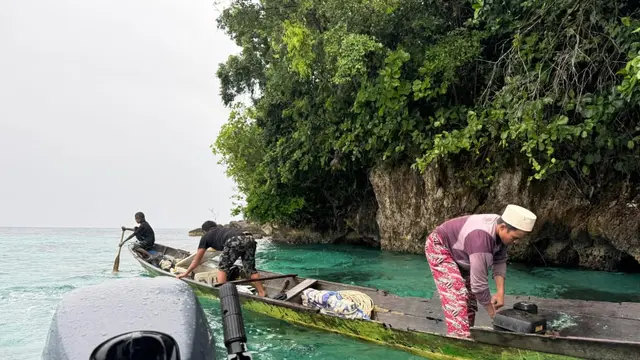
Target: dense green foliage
[{"x": 338, "y": 87}]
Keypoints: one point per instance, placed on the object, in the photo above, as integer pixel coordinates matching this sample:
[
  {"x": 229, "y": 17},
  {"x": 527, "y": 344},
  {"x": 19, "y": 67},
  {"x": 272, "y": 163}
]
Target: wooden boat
[{"x": 596, "y": 330}]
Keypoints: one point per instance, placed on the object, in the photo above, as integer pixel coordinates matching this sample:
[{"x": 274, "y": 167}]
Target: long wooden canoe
[{"x": 582, "y": 330}]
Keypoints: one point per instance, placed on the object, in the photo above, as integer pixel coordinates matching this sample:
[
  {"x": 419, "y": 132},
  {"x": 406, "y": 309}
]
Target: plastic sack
[{"x": 332, "y": 303}]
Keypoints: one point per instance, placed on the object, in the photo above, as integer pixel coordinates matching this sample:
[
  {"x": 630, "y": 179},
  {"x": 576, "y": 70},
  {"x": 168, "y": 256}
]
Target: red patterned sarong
[{"x": 458, "y": 302}]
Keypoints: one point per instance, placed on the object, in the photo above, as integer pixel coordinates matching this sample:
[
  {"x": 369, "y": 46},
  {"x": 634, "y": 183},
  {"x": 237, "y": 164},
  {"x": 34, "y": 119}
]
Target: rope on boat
[{"x": 362, "y": 300}]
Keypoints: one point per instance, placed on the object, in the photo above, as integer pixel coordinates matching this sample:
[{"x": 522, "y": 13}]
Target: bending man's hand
[
  {"x": 490, "y": 310},
  {"x": 497, "y": 300}
]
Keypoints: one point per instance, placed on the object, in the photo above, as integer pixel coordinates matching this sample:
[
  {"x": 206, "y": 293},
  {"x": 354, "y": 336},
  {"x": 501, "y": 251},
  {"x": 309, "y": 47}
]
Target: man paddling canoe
[
  {"x": 460, "y": 252},
  {"x": 234, "y": 244},
  {"x": 144, "y": 234}
]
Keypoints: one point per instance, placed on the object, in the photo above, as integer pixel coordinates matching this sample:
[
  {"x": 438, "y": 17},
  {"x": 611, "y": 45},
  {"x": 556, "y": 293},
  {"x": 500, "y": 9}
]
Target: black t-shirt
[
  {"x": 144, "y": 233},
  {"x": 217, "y": 237}
]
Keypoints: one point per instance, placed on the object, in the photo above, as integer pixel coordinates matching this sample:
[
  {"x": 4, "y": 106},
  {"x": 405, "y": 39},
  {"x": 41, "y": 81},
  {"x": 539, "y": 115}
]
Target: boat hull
[{"x": 431, "y": 346}]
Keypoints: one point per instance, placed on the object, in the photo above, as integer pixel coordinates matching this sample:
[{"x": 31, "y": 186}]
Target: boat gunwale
[
  {"x": 299, "y": 307},
  {"x": 216, "y": 290},
  {"x": 578, "y": 338}
]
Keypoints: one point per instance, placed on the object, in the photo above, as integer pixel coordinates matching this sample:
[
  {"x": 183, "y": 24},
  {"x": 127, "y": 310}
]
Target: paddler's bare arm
[
  {"x": 129, "y": 229},
  {"x": 194, "y": 263}
]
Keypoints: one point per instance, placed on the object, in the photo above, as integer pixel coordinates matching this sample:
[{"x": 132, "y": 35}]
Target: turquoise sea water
[{"x": 42, "y": 264}]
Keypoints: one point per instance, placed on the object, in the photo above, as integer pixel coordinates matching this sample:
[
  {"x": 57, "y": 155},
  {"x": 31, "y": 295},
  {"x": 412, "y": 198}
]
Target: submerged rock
[
  {"x": 289, "y": 235},
  {"x": 242, "y": 225},
  {"x": 196, "y": 232},
  {"x": 358, "y": 227}
]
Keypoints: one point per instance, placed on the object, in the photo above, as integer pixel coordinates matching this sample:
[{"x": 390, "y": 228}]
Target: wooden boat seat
[{"x": 296, "y": 290}]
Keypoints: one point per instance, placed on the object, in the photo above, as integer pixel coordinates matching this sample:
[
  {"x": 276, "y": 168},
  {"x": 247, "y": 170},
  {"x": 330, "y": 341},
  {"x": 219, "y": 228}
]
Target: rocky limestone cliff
[{"x": 571, "y": 230}]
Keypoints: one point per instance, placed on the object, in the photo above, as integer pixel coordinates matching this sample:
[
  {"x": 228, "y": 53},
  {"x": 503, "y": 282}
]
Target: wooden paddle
[{"x": 116, "y": 263}]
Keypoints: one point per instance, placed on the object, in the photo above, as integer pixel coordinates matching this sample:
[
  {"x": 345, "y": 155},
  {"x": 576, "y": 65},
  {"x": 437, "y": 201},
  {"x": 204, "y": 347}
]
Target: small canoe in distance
[{"x": 579, "y": 329}]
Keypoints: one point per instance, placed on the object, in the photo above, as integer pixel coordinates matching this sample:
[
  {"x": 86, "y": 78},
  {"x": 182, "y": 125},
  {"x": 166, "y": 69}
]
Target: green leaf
[
  {"x": 336, "y": 87},
  {"x": 563, "y": 120},
  {"x": 588, "y": 159}
]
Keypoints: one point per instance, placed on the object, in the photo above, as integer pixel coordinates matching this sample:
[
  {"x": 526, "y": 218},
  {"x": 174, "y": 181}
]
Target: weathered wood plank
[
  {"x": 413, "y": 306},
  {"x": 624, "y": 310},
  {"x": 407, "y": 322},
  {"x": 577, "y": 347},
  {"x": 584, "y": 325},
  {"x": 296, "y": 290}
]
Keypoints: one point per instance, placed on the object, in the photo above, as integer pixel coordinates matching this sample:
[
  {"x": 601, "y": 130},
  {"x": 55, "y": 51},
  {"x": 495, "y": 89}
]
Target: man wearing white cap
[{"x": 460, "y": 252}]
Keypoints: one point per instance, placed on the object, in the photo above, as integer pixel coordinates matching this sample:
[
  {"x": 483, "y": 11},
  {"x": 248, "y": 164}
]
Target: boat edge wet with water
[{"x": 398, "y": 327}]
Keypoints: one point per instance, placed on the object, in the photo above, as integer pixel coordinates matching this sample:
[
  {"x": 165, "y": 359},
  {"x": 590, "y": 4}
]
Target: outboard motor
[
  {"x": 523, "y": 318},
  {"x": 131, "y": 319}
]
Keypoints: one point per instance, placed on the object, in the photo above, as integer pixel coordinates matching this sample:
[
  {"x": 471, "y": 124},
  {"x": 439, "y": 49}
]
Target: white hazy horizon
[{"x": 109, "y": 108}]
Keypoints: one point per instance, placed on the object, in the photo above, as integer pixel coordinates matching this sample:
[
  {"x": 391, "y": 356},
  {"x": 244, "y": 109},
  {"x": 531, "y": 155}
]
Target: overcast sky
[{"x": 107, "y": 108}]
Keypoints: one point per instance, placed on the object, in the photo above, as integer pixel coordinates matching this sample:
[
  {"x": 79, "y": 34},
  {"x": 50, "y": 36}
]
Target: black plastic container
[
  {"x": 531, "y": 308},
  {"x": 520, "y": 321}
]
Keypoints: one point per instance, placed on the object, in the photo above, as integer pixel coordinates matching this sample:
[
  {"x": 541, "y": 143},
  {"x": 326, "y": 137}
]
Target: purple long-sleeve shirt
[{"x": 475, "y": 248}]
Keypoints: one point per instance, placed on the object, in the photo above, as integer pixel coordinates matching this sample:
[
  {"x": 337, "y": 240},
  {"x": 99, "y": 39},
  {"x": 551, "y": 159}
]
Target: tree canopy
[{"x": 338, "y": 87}]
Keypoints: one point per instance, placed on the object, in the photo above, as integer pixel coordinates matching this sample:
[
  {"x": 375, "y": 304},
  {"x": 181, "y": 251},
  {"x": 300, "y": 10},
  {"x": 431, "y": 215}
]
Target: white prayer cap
[{"x": 519, "y": 217}]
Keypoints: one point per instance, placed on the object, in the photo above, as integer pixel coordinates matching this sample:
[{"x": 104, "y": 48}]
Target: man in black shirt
[
  {"x": 143, "y": 233},
  {"x": 234, "y": 244}
]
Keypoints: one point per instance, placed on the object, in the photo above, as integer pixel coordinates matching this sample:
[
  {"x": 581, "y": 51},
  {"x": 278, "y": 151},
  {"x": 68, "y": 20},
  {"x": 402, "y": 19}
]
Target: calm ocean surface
[{"x": 43, "y": 264}]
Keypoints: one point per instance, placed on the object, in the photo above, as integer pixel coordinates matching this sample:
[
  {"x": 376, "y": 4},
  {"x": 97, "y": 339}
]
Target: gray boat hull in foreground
[{"x": 117, "y": 312}]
